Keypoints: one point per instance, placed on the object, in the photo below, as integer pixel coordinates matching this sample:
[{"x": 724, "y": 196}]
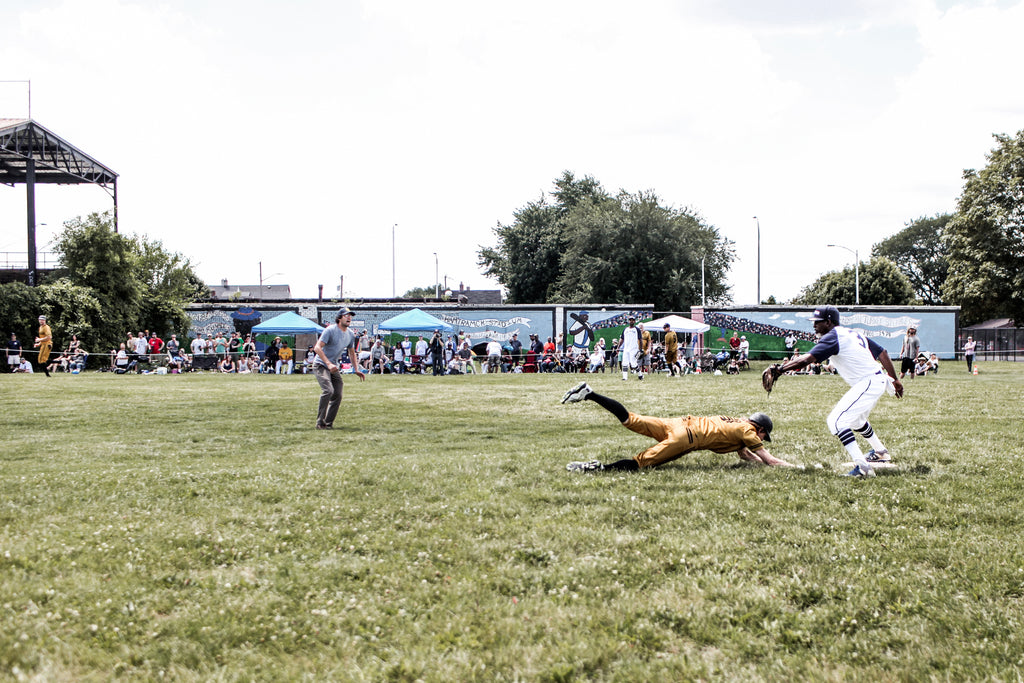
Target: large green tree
[
  {"x": 921, "y": 254},
  {"x": 881, "y": 284},
  {"x": 633, "y": 249},
  {"x": 135, "y": 283},
  {"x": 986, "y": 237},
  {"x": 588, "y": 246},
  {"x": 167, "y": 281},
  {"x": 528, "y": 258},
  {"x": 73, "y": 309}
]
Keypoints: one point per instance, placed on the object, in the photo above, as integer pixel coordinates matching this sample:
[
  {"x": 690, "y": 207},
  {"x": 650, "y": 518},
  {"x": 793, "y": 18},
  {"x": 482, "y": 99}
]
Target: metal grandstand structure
[{"x": 31, "y": 155}]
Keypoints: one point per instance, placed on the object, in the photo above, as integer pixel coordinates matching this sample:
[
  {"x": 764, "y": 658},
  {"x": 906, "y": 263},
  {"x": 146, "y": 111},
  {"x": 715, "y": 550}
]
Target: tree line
[
  {"x": 972, "y": 258},
  {"x": 108, "y": 285},
  {"x": 584, "y": 244},
  {"x": 581, "y": 244}
]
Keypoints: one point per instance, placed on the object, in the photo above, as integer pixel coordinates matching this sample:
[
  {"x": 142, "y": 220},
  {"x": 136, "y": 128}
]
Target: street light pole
[
  {"x": 856, "y": 270},
  {"x": 437, "y": 278},
  {"x": 758, "y": 260},
  {"x": 393, "y": 294},
  {"x": 259, "y": 292},
  {"x": 702, "y": 301}
]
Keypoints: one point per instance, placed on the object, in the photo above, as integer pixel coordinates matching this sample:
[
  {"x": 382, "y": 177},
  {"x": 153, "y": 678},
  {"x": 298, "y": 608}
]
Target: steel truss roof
[{"x": 56, "y": 161}]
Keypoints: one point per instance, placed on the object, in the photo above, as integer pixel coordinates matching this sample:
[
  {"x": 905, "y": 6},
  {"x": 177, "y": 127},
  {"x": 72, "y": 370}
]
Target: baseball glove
[{"x": 770, "y": 374}]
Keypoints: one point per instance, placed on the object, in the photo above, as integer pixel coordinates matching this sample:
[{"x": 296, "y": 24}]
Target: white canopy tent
[{"x": 677, "y": 323}]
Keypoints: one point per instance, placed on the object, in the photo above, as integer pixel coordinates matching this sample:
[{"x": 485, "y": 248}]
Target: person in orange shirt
[
  {"x": 744, "y": 436},
  {"x": 44, "y": 342}
]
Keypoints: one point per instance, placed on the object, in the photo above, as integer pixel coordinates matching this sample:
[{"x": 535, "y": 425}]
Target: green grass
[{"x": 198, "y": 527}]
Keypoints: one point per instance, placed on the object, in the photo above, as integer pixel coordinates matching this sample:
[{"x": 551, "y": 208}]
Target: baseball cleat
[
  {"x": 858, "y": 472},
  {"x": 591, "y": 466},
  {"x": 577, "y": 393},
  {"x": 878, "y": 456}
]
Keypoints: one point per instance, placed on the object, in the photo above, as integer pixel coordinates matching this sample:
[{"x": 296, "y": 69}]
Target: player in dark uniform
[
  {"x": 680, "y": 435},
  {"x": 857, "y": 359}
]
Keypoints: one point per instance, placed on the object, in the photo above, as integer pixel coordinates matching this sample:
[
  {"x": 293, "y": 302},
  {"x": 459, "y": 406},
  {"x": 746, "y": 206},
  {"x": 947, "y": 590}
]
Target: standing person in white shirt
[
  {"x": 398, "y": 360},
  {"x": 630, "y": 347},
  {"x": 198, "y": 346},
  {"x": 493, "y": 356},
  {"x": 969, "y": 353},
  {"x": 856, "y": 359},
  {"x": 421, "y": 347}
]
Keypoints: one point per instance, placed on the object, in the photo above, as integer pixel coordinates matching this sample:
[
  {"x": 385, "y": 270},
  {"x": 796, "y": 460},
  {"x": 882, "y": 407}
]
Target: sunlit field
[{"x": 198, "y": 527}]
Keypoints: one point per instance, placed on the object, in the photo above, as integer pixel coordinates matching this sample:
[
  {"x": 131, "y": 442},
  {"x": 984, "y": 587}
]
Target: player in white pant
[
  {"x": 630, "y": 347},
  {"x": 857, "y": 359}
]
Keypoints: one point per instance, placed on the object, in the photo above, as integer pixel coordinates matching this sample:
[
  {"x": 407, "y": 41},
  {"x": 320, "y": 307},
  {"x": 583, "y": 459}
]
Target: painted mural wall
[
  {"x": 584, "y": 324},
  {"x": 766, "y": 327}
]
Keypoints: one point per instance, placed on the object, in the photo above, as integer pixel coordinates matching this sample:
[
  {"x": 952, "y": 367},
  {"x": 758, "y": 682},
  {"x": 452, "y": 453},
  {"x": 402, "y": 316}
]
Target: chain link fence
[{"x": 998, "y": 344}]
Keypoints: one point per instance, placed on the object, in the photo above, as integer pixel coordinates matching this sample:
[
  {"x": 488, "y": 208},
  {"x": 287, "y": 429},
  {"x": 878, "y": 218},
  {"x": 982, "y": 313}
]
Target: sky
[{"x": 382, "y": 141}]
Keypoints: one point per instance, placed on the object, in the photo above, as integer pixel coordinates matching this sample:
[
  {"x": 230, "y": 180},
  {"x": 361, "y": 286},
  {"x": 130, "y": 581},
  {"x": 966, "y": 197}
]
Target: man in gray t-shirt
[
  {"x": 911, "y": 347},
  {"x": 333, "y": 341}
]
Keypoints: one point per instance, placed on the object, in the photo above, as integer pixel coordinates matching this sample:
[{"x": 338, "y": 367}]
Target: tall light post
[
  {"x": 758, "y": 260},
  {"x": 702, "y": 282},
  {"x": 856, "y": 270},
  {"x": 393, "y": 294},
  {"x": 437, "y": 278},
  {"x": 259, "y": 296}
]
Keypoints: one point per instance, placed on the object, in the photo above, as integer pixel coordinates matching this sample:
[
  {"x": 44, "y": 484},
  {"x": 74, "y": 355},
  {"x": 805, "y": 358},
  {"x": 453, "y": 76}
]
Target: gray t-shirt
[
  {"x": 335, "y": 342},
  {"x": 911, "y": 346}
]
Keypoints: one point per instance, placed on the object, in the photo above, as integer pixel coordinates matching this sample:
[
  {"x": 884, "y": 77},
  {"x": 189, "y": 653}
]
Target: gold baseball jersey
[
  {"x": 681, "y": 435},
  {"x": 671, "y": 346},
  {"x": 44, "y": 347}
]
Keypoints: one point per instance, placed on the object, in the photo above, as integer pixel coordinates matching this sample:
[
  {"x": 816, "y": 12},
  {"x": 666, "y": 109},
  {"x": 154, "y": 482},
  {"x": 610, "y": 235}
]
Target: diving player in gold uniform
[{"x": 681, "y": 435}]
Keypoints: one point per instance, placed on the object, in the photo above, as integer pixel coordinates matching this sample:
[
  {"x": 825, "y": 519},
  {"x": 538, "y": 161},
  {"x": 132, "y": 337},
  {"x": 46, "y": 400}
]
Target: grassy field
[{"x": 198, "y": 528}]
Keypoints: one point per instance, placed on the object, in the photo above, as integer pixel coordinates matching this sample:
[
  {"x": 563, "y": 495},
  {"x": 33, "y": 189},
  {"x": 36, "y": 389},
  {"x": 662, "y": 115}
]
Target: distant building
[
  {"x": 476, "y": 297},
  {"x": 226, "y": 292}
]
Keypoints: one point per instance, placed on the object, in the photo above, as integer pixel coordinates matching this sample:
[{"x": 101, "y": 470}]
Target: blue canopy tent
[
  {"x": 415, "y": 320},
  {"x": 288, "y": 323}
]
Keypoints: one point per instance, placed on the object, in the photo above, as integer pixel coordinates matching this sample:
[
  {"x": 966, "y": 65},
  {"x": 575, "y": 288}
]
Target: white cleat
[
  {"x": 577, "y": 393},
  {"x": 591, "y": 466}
]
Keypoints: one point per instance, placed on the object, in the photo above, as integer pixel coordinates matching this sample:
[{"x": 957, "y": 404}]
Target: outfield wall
[
  {"x": 766, "y": 327},
  {"x": 480, "y": 323}
]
